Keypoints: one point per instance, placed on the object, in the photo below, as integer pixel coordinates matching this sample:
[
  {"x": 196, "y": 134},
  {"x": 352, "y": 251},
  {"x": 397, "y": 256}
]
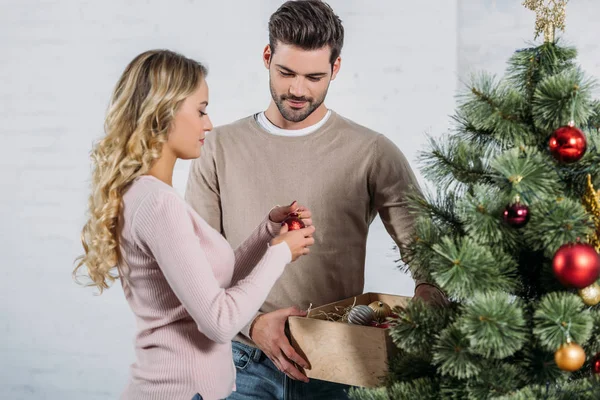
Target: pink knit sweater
[{"x": 189, "y": 291}]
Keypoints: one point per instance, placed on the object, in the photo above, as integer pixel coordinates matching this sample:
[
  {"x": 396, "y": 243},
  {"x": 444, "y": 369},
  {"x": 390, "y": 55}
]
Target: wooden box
[{"x": 341, "y": 352}]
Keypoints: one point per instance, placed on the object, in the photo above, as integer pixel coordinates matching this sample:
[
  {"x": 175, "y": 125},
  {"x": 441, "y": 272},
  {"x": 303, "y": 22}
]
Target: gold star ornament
[{"x": 549, "y": 16}]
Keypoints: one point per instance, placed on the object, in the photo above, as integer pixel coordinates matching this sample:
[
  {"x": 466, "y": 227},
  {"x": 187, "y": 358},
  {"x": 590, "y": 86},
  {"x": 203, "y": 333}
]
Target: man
[{"x": 297, "y": 148}]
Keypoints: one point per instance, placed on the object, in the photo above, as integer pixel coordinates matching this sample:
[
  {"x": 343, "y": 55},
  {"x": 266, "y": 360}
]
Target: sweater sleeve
[
  {"x": 251, "y": 250},
  {"x": 265, "y": 231},
  {"x": 391, "y": 179},
  {"x": 163, "y": 226}
]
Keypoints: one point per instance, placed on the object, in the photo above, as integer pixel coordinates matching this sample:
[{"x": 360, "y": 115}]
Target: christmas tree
[{"x": 512, "y": 236}]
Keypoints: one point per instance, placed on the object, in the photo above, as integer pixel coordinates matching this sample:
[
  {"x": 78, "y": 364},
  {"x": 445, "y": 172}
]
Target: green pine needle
[
  {"x": 463, "y": 266},
  {"x": 422, "y": 389},
  {"x": 494, "y": 323},
  {"x": 497, "y": 379},
  {"x": 594, "y": 343},
  {"x": 481, "y": 210},
  {"x": 524, "y": 172},
  {"x": 561, "y": 98},
  {"x": 453, "y": 164},
  {"x": 491, "y": 106},
  {"x": 416, "y": 325},
  {"x": 453, "y": 356},
  {"x": 555, "y": 222},
  {"x": 560, "y": 316}
]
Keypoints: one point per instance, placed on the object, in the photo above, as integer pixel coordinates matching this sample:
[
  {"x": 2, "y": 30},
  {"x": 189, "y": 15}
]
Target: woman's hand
[
  {"x": 298, "y": 240},
  {"x": 279, "y": 213}
]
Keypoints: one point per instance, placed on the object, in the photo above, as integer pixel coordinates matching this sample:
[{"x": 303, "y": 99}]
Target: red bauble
[
  {"x": 567, "y": 144},
  {"x": 596, "y": 364},
  {"x": 576, "y": 265},
  {"x": 516, "y": 215},
  {"x": 293, "y": 222},
  {"x": 383, "y": 325}
]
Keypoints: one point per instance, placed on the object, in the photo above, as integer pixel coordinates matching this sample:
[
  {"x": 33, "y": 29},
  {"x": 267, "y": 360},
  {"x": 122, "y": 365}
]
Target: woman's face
[{"x": 190, "y": 124}]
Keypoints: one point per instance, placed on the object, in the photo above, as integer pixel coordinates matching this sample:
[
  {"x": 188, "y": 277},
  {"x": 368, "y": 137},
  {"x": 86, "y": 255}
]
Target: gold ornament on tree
[
  {"x": 590, "y": 295},
  {"x": 591, "y": 202},
  {"x": 549, "y": 16},
  {"x": 570, "y": 356}
]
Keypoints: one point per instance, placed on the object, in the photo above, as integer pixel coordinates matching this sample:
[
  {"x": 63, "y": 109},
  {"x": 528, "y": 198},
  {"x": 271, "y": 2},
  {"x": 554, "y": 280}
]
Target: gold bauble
[
  {"x": 570, "y": 357},
  {"x": 590, "y": 295},
  {"x": 381, "y": 310}
]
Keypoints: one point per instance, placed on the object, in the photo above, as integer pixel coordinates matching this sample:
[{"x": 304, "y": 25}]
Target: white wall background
[{"x": 59, "y": 62}]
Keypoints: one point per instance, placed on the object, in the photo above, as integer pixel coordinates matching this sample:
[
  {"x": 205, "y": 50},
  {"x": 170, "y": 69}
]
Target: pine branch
[
  {"x": 527, "y": 393},
  {"x": 462, "y": 267},
  {"x": 417, "y": 254},
  {"x": 406, "y": 367},
  {"x": 491, "y": 106},
  {"x": 439, "y": 207},
  {"x": 526, "y": 173},
  {"x": 416, "y": 325},
  {"x": 555, "y": 222},
  {"x": 539, "y": 363},
  {"x": 560, "y": 316},
  {"x": 481, "y": 210},
  {"x": 594, "y": 121},
  {"x": 424, "y": 388},
  {"x": 561, "y": 98},
  {"x": 527, "y": 67},
  {"x": 494, "y": 323},
  {"x": 575, "y": 175},
  {"x": 453, "y": 356},
  {"x": 452, "y": 165},
  {"x": 483, "y": 139},
  {"x": 594, "y": 343},
  {"x": 495, "y": 380},
  {"x": 453, "y": 389}
]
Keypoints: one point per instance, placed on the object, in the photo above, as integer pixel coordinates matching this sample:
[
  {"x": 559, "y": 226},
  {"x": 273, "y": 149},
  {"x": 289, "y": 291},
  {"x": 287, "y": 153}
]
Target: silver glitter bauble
[{"x": 361, "y": 315}]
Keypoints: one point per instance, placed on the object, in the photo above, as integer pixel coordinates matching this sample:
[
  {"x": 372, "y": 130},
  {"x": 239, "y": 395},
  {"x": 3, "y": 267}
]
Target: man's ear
[
  {"x": 335, "y": 68},
  {"x": 267, "y": 53}
]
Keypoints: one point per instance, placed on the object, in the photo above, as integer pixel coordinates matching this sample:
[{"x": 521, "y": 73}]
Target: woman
[{"x": 190, "y": 292}]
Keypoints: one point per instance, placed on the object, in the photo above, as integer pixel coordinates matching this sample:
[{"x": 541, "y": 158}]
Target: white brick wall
[{"x": 58, "y": 64}]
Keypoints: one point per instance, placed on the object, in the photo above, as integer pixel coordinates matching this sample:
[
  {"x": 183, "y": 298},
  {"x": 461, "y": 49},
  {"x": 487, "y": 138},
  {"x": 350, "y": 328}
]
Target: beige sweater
[{"x": 344, "y": 172}]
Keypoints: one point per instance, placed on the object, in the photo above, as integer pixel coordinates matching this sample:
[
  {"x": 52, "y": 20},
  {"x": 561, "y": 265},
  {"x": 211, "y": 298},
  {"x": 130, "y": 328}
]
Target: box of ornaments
[{"x": 348, "y": 341}]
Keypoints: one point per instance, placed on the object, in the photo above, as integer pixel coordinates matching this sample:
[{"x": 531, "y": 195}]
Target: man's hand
[
  {"x": 431, "y": 295},
  {"x": 268, "y": 333}
]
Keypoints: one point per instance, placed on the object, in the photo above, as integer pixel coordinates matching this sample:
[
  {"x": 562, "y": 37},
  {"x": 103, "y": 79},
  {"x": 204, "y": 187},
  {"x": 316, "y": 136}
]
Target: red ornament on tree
[
  {"x": 576, "y": 265},
  {"x": 596, "y": 364},
  {"x": 568, "y": 144},
  {"x": 293, "y": 222},
  {"x": 516, "y": 215}
]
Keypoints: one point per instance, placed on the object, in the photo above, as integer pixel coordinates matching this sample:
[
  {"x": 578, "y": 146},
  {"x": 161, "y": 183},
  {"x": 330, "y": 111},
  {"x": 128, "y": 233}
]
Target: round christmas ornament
[
  {"x": 381, "y": 310},
  {"x": 590, "y": 295},
  {"x": 516, "y": 214},
  {"x": 383, "y": 325},
  {"x": 576, "y": 265},
  {"x": 568, "y": 144},
  {"x": 293, "y": 222},
  {"x": 569, "y": 357},
  {"x": 596, "y": 364},
  {"x": 361, "y": 315}
]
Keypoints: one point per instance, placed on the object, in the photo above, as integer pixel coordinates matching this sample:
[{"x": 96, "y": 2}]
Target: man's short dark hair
[{"x": 307, "y": 24}]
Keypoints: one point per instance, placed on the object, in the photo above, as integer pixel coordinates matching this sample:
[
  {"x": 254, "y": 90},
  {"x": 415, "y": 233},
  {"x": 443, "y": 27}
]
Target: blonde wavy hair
[{"x": 141, "y": 111}]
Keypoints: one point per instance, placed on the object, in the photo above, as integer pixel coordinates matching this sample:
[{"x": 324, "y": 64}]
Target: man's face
[{"x": 299, "y": 79}]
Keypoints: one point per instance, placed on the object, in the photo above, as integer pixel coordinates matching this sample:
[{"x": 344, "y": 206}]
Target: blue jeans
[
  {"x": 197, "y": 397},
  {"x": 258, "y": 378}
]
